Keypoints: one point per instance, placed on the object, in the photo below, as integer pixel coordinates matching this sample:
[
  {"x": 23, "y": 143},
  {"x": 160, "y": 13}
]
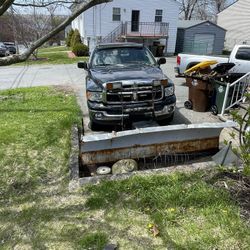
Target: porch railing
[
  {"x": 235, "y": 92},
  {"x": 154, "y": 29},
  {"x": 137, "y": 29},
  {"x": 114, "y": 35}
]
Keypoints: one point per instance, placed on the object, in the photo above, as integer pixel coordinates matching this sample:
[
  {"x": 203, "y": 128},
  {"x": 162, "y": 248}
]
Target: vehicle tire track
[{"x": 19, "y": 77}]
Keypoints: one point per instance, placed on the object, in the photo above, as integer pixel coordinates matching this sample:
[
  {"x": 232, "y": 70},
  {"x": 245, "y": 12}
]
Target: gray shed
[{"x": 199, "y": 37}]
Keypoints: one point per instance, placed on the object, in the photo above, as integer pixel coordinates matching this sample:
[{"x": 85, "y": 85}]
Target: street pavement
[
  {"x": 68, "y": 74},
  {"x": 40, "y": 75}
]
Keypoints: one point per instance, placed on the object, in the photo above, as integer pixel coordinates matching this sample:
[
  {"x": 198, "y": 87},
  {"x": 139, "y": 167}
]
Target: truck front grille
[{"x": 134, "y": 94}]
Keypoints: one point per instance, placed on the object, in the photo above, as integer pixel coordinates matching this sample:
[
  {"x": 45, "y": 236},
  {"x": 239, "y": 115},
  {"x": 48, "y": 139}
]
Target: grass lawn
[
  {"x": 38, "y": 212},
  {"x": 54, "y": 49},
  {"x": 53, "y": 55}
]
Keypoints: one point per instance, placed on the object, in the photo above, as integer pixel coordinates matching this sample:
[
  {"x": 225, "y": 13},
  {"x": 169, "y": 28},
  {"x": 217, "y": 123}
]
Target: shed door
[{"x": 203, "y": 43}]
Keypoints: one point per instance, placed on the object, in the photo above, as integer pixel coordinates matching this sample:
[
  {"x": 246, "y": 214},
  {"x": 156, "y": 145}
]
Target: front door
[{"x": 135, "y": 19}]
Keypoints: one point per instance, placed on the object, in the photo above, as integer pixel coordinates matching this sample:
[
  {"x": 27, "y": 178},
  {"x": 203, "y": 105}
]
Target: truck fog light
[
  {"x": 170, "y": 109},
  {"x": 98, "y": 115}
]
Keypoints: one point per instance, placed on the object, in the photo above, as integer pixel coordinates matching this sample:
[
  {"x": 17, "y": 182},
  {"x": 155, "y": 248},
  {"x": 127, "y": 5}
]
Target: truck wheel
[
  {"x": 214, "y": 110},
  {"x": 166, "y": 121},
  {"x": 94, "y": 126},
  {"x": 188, "y": 104}
]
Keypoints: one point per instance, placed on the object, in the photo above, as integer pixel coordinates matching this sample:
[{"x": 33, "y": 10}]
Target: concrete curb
[
  {"x": 162, "y": 171},
  {"x": 74, "y": 159}
]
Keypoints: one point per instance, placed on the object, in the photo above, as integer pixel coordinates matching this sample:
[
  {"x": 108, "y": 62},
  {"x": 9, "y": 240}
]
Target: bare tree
[
  {"x": 80, "y": 6},
  {"x": 202, "y": 9},
  {"x": 188, "y": 8},
  {"x": 6, "y": 32},
  {"x": 220, "y": 5}
]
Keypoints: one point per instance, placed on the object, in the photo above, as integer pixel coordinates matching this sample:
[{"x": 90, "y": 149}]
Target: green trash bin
[{"x": 219, "y": 90}]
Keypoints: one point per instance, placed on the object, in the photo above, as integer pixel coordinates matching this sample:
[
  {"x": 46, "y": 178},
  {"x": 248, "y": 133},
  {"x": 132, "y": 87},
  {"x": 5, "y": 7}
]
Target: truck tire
[
  {"x": 214, "y": 110},
  {"x": 94, "y": 126},
  {"x": 166, "y": 121},
  {"x": 188, "y": 104}
]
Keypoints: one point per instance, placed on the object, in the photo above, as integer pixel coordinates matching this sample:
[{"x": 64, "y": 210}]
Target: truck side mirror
[
  {"x": 161, "y": 60},
  {"x": 82, "y": 65}
]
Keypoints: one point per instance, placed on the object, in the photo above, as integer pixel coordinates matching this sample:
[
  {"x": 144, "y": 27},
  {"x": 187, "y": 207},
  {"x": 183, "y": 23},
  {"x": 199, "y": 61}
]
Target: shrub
[
  {"x": 226, "y": 52},
  {"x": 244, "y": 149},
  {"x": 75, "y": 39},
  {"x": 80, "y": 49},
  {"x": 68, "y": 39}
]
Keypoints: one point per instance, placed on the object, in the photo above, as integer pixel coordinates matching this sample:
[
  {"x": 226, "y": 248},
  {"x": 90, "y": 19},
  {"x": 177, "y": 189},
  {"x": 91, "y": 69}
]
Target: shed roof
[{"x": 186, "y": 24}]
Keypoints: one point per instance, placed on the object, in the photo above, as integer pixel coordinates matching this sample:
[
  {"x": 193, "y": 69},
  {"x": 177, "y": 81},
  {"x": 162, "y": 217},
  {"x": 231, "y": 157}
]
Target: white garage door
[{"x": 204, "y": 43}]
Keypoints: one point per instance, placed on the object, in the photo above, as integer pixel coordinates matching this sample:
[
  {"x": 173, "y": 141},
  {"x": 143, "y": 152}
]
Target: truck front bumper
[{"x": 102, "y": 115}]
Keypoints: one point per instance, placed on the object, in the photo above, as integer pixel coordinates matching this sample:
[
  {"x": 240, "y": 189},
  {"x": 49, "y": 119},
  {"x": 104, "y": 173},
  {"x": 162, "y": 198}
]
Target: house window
[
  {"x": 158, "y": 16},
  {"x": 116, "y": 14}
]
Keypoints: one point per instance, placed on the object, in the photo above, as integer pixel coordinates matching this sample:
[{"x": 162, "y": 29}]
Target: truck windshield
[{"x": 122, "y": 56}]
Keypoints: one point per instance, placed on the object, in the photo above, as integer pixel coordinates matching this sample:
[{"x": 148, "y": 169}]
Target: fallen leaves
[{"x": 153, "y": 229}]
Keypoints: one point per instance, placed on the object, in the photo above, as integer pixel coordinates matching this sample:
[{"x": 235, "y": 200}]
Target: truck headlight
[
  {"x": 113, "y": 85},
  {"x": 94, "y": 96},
  {"x": 169, "y": 91},
  {"x": 163, "y": 82}
]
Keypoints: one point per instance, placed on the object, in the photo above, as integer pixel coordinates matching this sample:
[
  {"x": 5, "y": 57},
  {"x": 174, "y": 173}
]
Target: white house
[
  {"x": 236, "y": 20},
  {"x": 151, "y": 22}
]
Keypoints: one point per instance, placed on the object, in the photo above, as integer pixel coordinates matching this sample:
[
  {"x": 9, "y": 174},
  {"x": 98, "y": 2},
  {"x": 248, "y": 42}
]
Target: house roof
[
  {"x": 186, "y": 24},
  {"x": 235, "y": 1}
]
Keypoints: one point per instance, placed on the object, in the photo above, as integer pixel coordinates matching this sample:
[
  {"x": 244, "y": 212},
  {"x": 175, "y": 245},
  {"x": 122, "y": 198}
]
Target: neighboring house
[
  {"x": 199, "y": 37},
  {"x": 236, "y": 20},
  {"x": 67, "y": 30},
  {"x": 144, "y": 21}
]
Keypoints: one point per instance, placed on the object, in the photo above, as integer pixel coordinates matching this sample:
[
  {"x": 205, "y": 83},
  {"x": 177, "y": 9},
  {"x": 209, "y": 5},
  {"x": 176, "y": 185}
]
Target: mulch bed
[
  {"x": 71, "y": 54},
  {"x": 239, "y": 188}
]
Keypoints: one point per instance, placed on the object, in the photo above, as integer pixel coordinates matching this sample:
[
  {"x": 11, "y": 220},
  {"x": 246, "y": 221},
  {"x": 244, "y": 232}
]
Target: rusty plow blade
[{"x": 151, "y": 141}]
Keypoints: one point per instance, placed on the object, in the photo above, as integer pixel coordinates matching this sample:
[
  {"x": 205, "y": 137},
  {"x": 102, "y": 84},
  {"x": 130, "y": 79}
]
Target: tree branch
[
  {"x": 4, "y": 6},
  {"x": 25, "y": 55},
  {"x": 45, "y": 4}
]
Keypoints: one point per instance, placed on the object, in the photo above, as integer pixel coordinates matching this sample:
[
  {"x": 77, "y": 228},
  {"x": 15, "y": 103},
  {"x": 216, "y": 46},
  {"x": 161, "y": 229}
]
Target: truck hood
[{"x": 109, "y": 74}]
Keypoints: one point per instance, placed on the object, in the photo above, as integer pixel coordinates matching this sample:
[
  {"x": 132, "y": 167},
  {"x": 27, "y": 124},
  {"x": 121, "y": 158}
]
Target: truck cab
[
  {"x": 240, "y": 56},
  {"x": 125, "y": 83}
]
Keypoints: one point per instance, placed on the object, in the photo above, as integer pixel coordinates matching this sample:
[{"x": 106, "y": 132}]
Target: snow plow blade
[{"x": 151, "y": 141}]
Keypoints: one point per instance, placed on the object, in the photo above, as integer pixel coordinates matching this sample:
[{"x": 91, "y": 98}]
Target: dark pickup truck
[{"x": 125, "y": 83}]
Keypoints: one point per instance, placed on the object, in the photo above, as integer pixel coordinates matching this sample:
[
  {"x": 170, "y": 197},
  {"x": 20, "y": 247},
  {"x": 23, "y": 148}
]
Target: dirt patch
[
  {"x": 239, "y": 188},
  {"x": 66, "y": 89},
  {"x": 39, "y": 59}
]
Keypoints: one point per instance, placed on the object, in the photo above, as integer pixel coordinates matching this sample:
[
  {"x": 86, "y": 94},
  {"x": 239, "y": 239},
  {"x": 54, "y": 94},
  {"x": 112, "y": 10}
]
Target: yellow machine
[{"x": 200, "y": 66}]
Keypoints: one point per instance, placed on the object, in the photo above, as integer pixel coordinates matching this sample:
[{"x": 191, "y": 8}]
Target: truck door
[{"x": 241, "y": 60}]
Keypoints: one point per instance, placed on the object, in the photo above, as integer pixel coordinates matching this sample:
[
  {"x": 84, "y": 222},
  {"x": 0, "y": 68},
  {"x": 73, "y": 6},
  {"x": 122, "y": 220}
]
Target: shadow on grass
[
  {"x": 94, "y": 234},
  {"x": 28, "y": 110},
  {"x": 157, "y": 196}
]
